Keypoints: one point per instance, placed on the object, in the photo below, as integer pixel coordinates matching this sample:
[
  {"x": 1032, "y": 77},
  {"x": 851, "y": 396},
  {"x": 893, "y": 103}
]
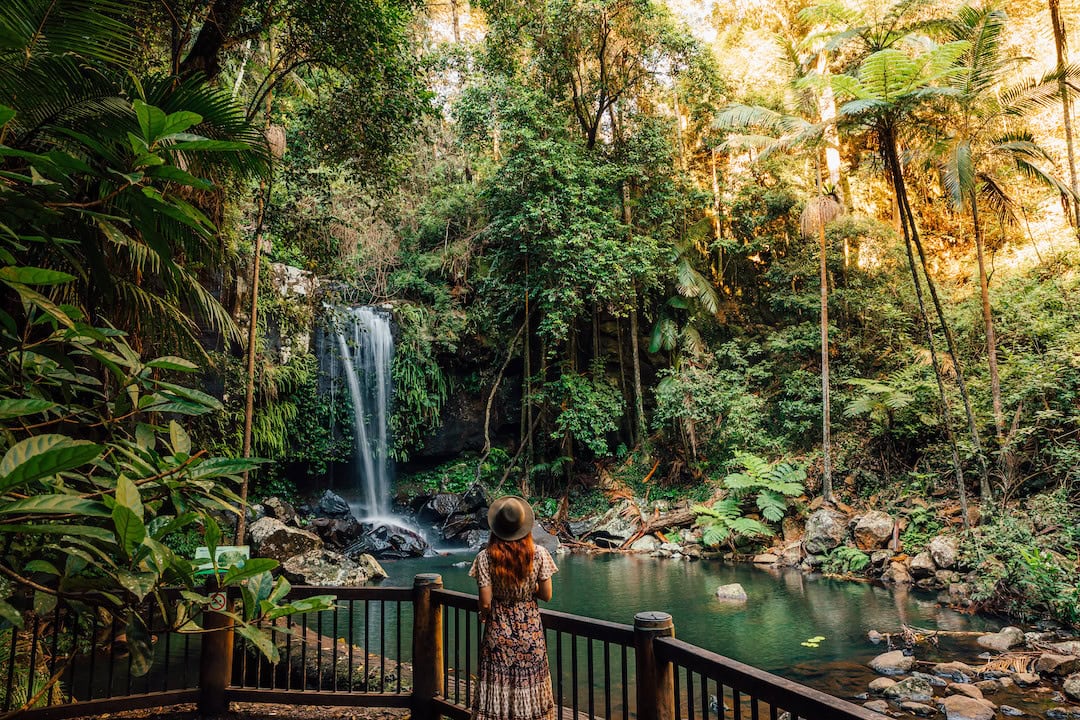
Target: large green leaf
[
  {"x": 130, "y": 530},
  {"x": 34, "y": 276},
  {"x": 127, "y": 495},
  {"x": 18, "y": 407},
  {"x": 261, "y": 639},
  {"x": 43, "y": 456},
  {"x": 250, "y": 569},
  {"x": 55, "y": 505},
  {"x": 140, "y": 645}
]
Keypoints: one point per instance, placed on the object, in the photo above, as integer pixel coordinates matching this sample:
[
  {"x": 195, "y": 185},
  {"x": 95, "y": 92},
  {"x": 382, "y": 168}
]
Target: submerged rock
[
  {"x": 918, "y": 708},
  {"x": 879, "y": 706},
  {"x": 961, "y": 707},
  {"x": 388, "y": 541},
  {"x": 1003, "y": 639},
  {"x": 731, "y": 593},
  {"x": 955, "y": 671},
  {"x": 880, "y": 685},
  {"x": 910, "y": 689},
  {"x": 892, "y": 663},
  {"x": 1053, "y": 664}
]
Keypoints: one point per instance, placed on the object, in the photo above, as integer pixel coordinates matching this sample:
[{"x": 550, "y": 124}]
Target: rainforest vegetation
[{"x": 654, "y": 245}]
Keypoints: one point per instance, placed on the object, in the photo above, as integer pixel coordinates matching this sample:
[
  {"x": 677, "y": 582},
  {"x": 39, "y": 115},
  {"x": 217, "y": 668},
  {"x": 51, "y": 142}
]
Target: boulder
[
  {"x": 962, "y": 707},
  {"x": 965, "y": 689},
  {"x": 1068, "y": 647},
  {"x": 271, "y": 538},
  {"x": 280, "y": 509},
  {"x": 988, "y": 686},
  {"x": 731, "y": 593},
  {"x": 692, "y": 551},
  {"x": 873, "y": 530},
  {"x": 337, "y": 532},
  {"x": 646, "y": 543},
  {"x": 955, "y": 671},
  {"x": 791, "y": 555},
  {"x": 879, "y": 706},
  {"x": 460, "y": 524},
  {"x": 544, "y": 539},
  {"x": 1071, "y": 686},
  {"x": 370, "y": 567},
  {"x": 880, "y": 685},
  {"x": 327, "y": 568},
  {"x": 918, "y": 708},
  {"x": 878, "y": 558},
  {"x": 910, "y": 689},
  {"x": 475, "y": 538},
  {"x": 1070, "y": 712},
  {"x": 944, "y": 550},
  {"x": 388, "y": 541},
  {"x": 1060, "y": 665},
  {"x": 897, "y": 574},
  {"x": 1010, "y": 711},
  {"x": 922, "y": 566},
  {"x": 614, "y": 528},
  {"x": 934, "y": 680},
  {"x": 957, "y": 594},
  {"x": 766, "y": 559},
  {"x": 825, "y": 529},
  {"x": 1002, "y": 640},
  {"x": 892, "y": 663},
  {"x": 439, "y": 508},
  {"x": 1025, "y": 679},
  {"x": 332, "y": 505},
  {"x": 476, "y": 498}
]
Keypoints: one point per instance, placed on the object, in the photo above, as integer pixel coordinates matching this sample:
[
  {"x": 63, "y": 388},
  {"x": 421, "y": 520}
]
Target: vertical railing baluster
[
  {"x": 352, "y": 642},
  {"x": 678, "y": 694},
  {"x": 589, "y": 675},
  {"x": 382, "y": 646},
  {"x": 774, "y": 714},
  {"x": 303, "y": 653},
  {"x": 736, "y": 704},
  {"x": 446, "y": 650},
  {"x": 334, "y": 640},
  {"x": 187, "y": 654},
  {"x": 559, "y": 674},
  {"x": 367, "y": 645},
  {"x": 625, "y": 685},
  {"x": 54, "y": 649},
  {"x": 754, "y": 702},
  {"x": 721, "y": 703},
  {"x": 704, "y": 697},
  {"x": 607, "y": 680},
  {"x": 574, "y": 673},
  {"x": 288, "y": 652},
  {"x": 71, "y": 660},
  {"x": 318, "y": 651},
  {"x": 457, "y": 656},
  {"x": 468, "y": 659},
  {"x": 168, "y": 651},
  {"x": 244, "y": 647},
  {"x": 112, "y": 654},
  {"x": 689, "y": 693},
  {"x": 400, "y": 623}
]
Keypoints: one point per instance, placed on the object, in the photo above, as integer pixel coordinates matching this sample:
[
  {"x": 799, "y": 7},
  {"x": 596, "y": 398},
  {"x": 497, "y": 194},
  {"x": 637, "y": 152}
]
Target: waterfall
[{"x": 366, "y": 346}]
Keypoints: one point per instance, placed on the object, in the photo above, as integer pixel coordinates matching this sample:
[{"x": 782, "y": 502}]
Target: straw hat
[{"x": 510, "y": 518}]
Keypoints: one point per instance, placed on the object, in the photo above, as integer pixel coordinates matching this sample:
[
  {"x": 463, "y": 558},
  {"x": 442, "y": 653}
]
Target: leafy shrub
[
  {"x": 769, "y": 485},
  {"x": 845, "y": 559}
]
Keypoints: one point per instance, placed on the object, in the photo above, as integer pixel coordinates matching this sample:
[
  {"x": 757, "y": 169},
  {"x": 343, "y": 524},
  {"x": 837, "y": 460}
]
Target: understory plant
[{"x": 768, "y": 486}]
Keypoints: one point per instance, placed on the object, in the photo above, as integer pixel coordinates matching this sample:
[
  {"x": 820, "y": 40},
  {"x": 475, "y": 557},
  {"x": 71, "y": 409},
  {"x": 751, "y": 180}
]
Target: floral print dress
[{"x": 514, "y": 681}]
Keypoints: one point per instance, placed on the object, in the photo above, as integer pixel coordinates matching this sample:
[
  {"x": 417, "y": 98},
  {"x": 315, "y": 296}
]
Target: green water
[{"x": 785, "y": 608}]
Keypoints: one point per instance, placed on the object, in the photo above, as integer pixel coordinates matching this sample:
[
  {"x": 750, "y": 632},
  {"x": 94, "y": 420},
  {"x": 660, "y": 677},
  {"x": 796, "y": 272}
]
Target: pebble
[
  {"x": 1010, "y": 710},
  {"x": 917, "y": 708}
]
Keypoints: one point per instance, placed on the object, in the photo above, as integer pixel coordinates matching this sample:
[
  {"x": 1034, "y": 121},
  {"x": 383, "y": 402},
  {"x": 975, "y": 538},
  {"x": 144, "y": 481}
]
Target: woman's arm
[
  {"x": 543, "y": 590},
  {"x": 485, "y": 603}
]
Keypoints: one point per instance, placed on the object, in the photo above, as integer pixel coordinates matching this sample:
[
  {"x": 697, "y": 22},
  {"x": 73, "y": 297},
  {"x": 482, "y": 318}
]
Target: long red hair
[{"x": 511, "y": 560}]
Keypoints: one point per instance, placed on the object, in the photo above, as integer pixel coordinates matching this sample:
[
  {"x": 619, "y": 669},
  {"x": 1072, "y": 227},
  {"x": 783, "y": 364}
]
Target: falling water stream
[{"x": 366, "y": 345}]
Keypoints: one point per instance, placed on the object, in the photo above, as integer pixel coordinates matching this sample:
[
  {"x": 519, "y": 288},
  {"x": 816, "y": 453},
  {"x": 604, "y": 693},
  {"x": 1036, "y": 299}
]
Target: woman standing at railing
[{"x": 512, "y": 574}]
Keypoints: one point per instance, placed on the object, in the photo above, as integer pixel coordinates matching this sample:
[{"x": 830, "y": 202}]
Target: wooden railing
[{"x": 410, "y": 647}]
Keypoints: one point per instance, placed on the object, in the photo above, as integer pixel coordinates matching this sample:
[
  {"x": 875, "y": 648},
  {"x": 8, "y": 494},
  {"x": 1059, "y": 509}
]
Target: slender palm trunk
[
  {"x": 826, "y": 473},
  {"x": 1066, "y": 102},
  {"x": 988, "y": 322},
  {"x": 892, "y": 160}
]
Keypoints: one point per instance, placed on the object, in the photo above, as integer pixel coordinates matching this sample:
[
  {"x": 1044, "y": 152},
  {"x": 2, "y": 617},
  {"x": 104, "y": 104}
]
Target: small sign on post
[{"x": 217, "y": 601}]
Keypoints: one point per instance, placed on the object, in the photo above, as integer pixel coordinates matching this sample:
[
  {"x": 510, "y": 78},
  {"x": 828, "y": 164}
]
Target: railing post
[
  {"x": 427, "y": 646},
  {"x": 216, "y": 658},
  {"x": 655, "y": 679}
]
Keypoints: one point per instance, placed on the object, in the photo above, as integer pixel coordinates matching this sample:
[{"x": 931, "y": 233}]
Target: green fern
[
  {"x": 768, "y": 484},
  {"x": 845, "y": 559}
]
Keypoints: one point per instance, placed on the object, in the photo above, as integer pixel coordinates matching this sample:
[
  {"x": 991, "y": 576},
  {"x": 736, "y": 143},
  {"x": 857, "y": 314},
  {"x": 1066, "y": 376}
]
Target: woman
[{"x": 514, "y": 681}]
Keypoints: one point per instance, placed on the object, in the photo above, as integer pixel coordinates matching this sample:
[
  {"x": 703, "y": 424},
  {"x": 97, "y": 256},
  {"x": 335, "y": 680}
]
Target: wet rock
[
  {"x": 613, "y": 529},
  {"x": 813, "y": 561},
  {"x": 965, "y": 689},
  {"x": 897, "y": 574},
  {"x": 475, "y": 498},
  {"x": 731, "y": 593},
  {"x": 825, "y": 529},
  {"x": 944, "y": 551},
  {"x": 934, "y": 680},
  {"x": 1071, "y": 686},
  {"x": 326, "y": 568},
  {"x": 961, "y": 707},
  {"x": 1010, "y": 711},
  {"x": 1003, "y": 639},
  {"x": 1005, "y": 683},
  {"x": 879, "y": 685},
  {"x": 1026, "y": 679},
  {"x": 910, "y": 689},
  {"x": 875, "y": 637},
  {"x": 766, "y": 559},
  {"x": 956, "y": 594},
  {"x": 337, "y": 532},
  {"x": 1060, "y": 665},
  {"x": 332, "y": 505},
  {"x": 439, "y": 508},
  {"x": 791, "y": 555},
  {"x": 475, "y": 538},
  {"x": 370, "y": 567},
  {"x": 647, "y": 543},
  {"x": 892, "y": 663},
  {"x": 988, "y": 686},
  {"x": 922, "y": 565},
  {"x": 956, "y": 671},
  {"x": 873, "y": 530},
  {"x": 544, "y": 539},
  {"x": 271, "y": 538},
  {"x": 947, "y": 577},
  {"x": 1069, "y": 712},
  {"x": 692, "y": 551},
  {"x": 878, "y": 558},
  {"x": 387, "y": 541},
  {"x": 918, "y": 708},
  {"x": 280, "y": 510},
  {"x": 879, "y": 706},
  {"x": 461, "y": 523},
  {"x": 1068, "y": 647}
]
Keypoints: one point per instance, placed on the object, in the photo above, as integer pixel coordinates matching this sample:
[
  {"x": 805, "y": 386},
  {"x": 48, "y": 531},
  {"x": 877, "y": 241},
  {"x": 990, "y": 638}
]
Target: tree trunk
[
  {"x": 1066, "y": 103},
  {"x": 827, "y": 112},
  {"x": 892, "y": 161},
  {"x": 988, "y": 322},
  {"x": 249, "y": 390},
  {"x": 205, "y": 54},
  {"x": 826, "y": 473}
]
